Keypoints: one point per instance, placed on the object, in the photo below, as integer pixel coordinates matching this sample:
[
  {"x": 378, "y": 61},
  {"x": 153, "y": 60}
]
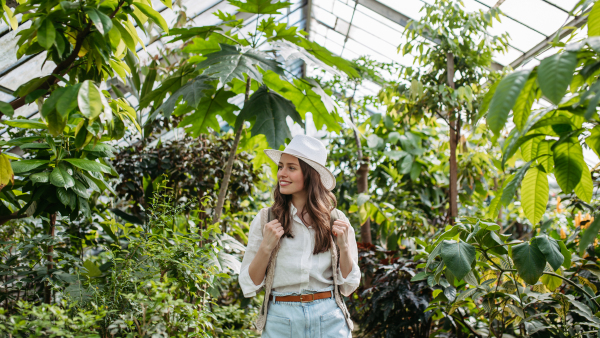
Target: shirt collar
[{"x": 293, "y": 209}]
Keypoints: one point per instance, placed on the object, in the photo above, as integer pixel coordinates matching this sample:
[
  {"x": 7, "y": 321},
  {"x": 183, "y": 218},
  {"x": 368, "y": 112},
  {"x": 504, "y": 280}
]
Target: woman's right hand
[{"x": 271, "y": 235}]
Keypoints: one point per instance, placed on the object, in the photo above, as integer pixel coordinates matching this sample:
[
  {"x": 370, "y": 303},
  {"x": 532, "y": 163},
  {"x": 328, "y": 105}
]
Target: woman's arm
[
  {"x": 348, "y": 272},
  {"x": 271, "y": 234}
]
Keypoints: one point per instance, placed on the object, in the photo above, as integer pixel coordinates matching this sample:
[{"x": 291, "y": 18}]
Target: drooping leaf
[
  {"x": 67, "y": 101},
  {"x": 530, "y": 147},
  {"x": 270, "y": 111},
  {"x": 232, "y": 62},
  {"x": 522, "y": 107},
  {"x": 555, "y": 74},
  {"x": 566, "y": 254},
  {"x": 100, "y": 20},
  {"x": 61, "y": 178},
  {"x": 589, "y": 235},
  {"x": 92, "y": 269},
  {"x": 551, "y": 250},
  {"x": 458, "y": 257},
  {"x": 529, "y": 261},
  {"x": 188, "y": 33},
  {"x": 509, "y": 191},
  {"x": 260, "y": 6},
  {"x": 56, "y": 123},
  {"x": 6, "y": 172},
  {"x": 551, "y": 282},
  {"x": 504, "y": 99},
  {"x": 593, "y": 21},
  {"x": 89, "y": 101},
  {"x": 88, "y": 165},
  {"x": 569, "y": 164},
  {"x": 6, "y": 109},
  {"x": 42, "y": 177},
  {"x": 593, "y": 141},
  {"x": 46, "y": 34},
  {"x": 191, "y": 93},
  {"x": 544, "y": 148},
  {"x": 154, "y": 15},
  {"x": 585, "y": 188},
  {"x": 25, "y": 124},
  {"x": 205, "y": 114},
  {"x": 534, "y": 194},
  {"x": 22, "y": 166}
]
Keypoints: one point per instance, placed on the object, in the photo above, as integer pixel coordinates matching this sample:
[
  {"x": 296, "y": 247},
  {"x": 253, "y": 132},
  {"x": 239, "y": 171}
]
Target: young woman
[{"x": 301, "y": 260}]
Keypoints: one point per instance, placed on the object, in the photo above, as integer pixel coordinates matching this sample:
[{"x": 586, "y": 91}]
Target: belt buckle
[{"x": 302, "y": 298}]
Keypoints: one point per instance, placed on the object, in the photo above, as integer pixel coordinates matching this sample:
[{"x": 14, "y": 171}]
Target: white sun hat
[{"x": 311, "y": 151}]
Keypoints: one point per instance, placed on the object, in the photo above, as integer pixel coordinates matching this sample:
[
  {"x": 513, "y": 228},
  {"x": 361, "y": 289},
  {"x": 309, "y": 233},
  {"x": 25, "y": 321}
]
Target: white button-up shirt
[{"x": 297, "y": 268}]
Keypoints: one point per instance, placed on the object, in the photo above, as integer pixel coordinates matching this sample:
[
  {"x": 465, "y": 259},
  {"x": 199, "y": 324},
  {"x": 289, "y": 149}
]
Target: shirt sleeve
[
  {"x": 254, "y": 240},
  {"x": 351, "y": 282}
]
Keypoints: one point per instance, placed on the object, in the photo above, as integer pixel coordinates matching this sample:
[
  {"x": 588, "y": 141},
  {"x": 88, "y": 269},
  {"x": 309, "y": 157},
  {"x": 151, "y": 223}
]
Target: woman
[{"x": 295, "y": 257}]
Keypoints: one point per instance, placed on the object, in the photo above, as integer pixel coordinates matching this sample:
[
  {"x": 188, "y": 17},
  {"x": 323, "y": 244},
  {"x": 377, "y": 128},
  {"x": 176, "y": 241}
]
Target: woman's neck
[{"x": 299, "y": 201}]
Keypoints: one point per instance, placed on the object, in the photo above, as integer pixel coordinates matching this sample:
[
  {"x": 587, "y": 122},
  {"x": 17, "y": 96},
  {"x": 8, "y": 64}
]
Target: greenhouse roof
[{"x": 346, "y": 27}]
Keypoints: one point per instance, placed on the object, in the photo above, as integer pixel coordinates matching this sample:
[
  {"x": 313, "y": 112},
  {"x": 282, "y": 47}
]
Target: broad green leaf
[
  {"x": 304, "y": 99},
  {"x": 191, "y": 93},
  {"x": 231, "y": 62},
  {"x": 551, "y": 282},
  {"x": 102, "y": 22},
  {"x": 593, "y": 141},
  {"x": 81, "y": 190},
  {"x": 6, "y": 172},
  {"x": 88, "y": 165},
  {"x": 56, "y": 124},
  {"x": 205, "y": 46},
  {"x": 504, "y": 99},
  {"x": 522, "y": 107},
  {"x": 22, "y": 166},
  {"x": 46, "y": 33},
  {"x": 589, "y": 235},
  {"x": 92, "y": 269},
  {"x": 534, "y": 194},
  {"x": 42, "y": 177},
  {"x": 329, "y": 58},
  {"x": 260, "y": 6},
  {"x": 149, "y": 80},
  {"x": 529, "y": 261},
  {"x": 593, "y": 21},
  {"x": 551, "y": 250},
  {"x": 530, "y": 147},
  {"x": 89, "y": 101},
  {"x": 269, "y": 110},
  {"x": 458, "y": 257},
  {"x": 545, "y": 148},
  {"x": 67, "y": 101},
  {"x": 50, "y": 103},
  {"x": 555, "y": 74},
  {"x": 205, "y": 115},
  {"x": 25, "y": 124},
  {"x": 585, "y": 187},
  {"x": 154, "y": 15},
  {"x": 494, "y": 207},
  {"x": 61, "y": 178},
  {"x": 510, "y": 190},
  {"x": 63, "y": 196},
  {"x": 569, "y": 164},
  {"x": 6, "y": 109},
  {"x": 566, "y": 254}
]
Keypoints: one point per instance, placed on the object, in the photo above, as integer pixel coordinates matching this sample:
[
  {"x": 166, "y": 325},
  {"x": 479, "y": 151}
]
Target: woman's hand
[
  {"x": 340, "y": 231},
  {"x": 271, "y": 235}
]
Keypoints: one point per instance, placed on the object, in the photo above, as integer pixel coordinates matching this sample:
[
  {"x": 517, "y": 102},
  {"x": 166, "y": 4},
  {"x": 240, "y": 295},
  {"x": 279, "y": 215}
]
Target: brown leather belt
[{"x": 303, "y": 298}]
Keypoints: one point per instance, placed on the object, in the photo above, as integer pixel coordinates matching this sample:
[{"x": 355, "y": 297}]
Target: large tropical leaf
[
  {"x": 205, "y": 114},
  {"x": 530, "y": 147},
  {"x": 522, "y": 107},
  {"x": 89, "y": 101},
  {"x": 589, "y": 235},
  {"x": 593, "y": 21},
  {"x": 529, "y": 261},
  {"x": 555, "y": 74},
  {"x": 191, "y": 93},
  {"x": 458, "y": 257},
  {"x": 593, "y": 141},
  {"x": 329, "y": 58},
  {"x": 569, "y": 164},
  {"x": 551, "y": 250},
  {"x": 509, "y": 191},
  {"x": 534, "y": 194},
  {"x": 61, "y": 178},
  {"x": 270, "y": 111},
  {"x": 6, "y": 171},
  {"x": 89, "y": 165},
  {"x": 545, "y": 148},
  {"x": 585, "y": 188},
  {"x": 260, "y": 6},
  {"x": 232, "y": 62},
  {"x": 304, "y": 99},
  {"x": 19, "y": 167},
  {"x": 504, "y": 99}
]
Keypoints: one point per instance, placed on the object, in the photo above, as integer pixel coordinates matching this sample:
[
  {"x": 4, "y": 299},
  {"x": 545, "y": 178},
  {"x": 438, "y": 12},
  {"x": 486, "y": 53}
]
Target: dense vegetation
[{"x": 121, "y": 219}]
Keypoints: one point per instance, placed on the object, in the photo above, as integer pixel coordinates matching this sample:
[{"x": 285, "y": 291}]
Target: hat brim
[{"x": 327, "y": 177}]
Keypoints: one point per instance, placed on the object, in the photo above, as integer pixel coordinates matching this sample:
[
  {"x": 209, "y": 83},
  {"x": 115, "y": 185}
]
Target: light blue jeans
[{"x": 317, "y": 319}]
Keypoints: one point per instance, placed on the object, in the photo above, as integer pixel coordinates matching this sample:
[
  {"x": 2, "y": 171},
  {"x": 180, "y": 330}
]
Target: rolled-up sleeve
[
  {"x": 254, "y": 240},
  {"x": 351, "y": 282}
]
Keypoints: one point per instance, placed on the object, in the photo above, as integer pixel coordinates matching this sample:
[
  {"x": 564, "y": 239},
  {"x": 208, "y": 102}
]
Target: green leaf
[
  {"x": 494, "y": 207},
  {"x": 569, "y": 164},
  {"x": 102, "y": 21},
  {"x": 88, "y": 165},
  {"x": 92, "y": 269},
  {"x": 89, "y": 101},
  {"x": 529, "y": 261},
  {"x": 593, "y": 141},
  {"x": 231, "y": 62},
  {"x": 50, "y": 103},
  {"x": 555, "y": 74},
  {"x": 551, "y": 282},
  {"x": 189, "y": 33},
  {"x": 510, "y": 190},
  {"x": 81, "y": 190},
  {"x": 585, "y": 187},
  {"x": 458, "y": 257},
  {"x": 191, "y": 93},
  {"x": 63, "y": 196},
  {"x": 566, "y": 254},
  {"x": 154, "y": 15},
  {"x": 22, "y": 166},
  {"x": 260, "y": 6},
  {"x": 504, "y": 99},
  {"x": 60, "y": 178},
  {"x": 46, "y": 33},
  {"x": 205, "y": 115},
  {"x": 6, "y": 109},
  {"x": 329, "y": 58},
  {"x": 149, "y": 81},
  {"x": 269, "y": 110},
  {"x": 56, "y": 123},
  {"x": 544, "y": 148},
  {"x": 43, "y": 177},
  {"x": 589, "y": 235},
  {"x": 593, "y": 21},
  {"x": 67, "y": 102},
  {"x": 522, "y": 107},
  {"x": 534, "y": 194},
  {"x": 25, "y": 124},
  {"x": 551, "y": 250}
]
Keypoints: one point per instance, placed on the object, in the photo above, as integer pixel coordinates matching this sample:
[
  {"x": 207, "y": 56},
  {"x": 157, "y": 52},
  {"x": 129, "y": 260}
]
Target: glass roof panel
[
  {"x": 567, "y": 5},
  {"x": 521, "y": 37},
  {"x": 536, "y": 14},
  {"x": 409, "y": 8}
]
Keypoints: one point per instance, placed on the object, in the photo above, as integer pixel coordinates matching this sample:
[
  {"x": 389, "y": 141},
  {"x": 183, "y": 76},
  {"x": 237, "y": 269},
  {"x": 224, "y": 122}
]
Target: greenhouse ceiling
[{"x": 346, "y": 27}]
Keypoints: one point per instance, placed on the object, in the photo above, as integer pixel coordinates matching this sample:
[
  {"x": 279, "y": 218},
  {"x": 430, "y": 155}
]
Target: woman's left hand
[{"x": 340, "y": 231}]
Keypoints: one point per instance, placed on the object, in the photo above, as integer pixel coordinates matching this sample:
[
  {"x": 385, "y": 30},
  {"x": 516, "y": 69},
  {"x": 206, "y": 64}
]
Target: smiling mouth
[{"x": 284, "y": 183}]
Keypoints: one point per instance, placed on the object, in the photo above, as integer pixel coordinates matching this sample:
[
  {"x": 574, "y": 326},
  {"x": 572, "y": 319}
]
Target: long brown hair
[{"x": 319, "y": 204}]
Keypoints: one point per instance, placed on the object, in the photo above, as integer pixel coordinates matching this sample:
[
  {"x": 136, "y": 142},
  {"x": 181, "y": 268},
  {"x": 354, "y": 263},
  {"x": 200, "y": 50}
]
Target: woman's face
[{"x": 289, "y": 175}]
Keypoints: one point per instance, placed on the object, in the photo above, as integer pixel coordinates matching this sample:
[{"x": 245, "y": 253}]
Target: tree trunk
[
  {"x": 229, "y": 167},
  {"x": 454, "y": 137},
  {"x": 50, "y": 264}
]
